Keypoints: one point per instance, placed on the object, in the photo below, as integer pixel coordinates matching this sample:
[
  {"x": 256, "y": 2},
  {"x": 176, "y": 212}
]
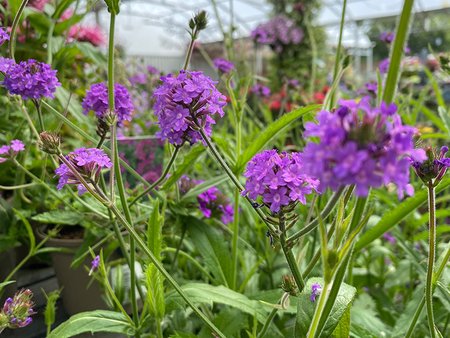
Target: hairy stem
[{"x": 431, "y": 258}]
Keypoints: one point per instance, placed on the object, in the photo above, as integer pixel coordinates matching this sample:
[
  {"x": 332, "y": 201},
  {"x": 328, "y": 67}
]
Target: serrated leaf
[
  {"x": 94, "y": 321},
  {"x": 59, "y": 217},
  {"x": 201, "y": 293},
  {"x": 306, "y": 308},
  {"x": 188, "y": 160},
  {"x": 342, "y": 330},
  {"x": 364, "y": 315},
  {"x": 395, "y": 215},
  {"x": 270, "y": 132}
]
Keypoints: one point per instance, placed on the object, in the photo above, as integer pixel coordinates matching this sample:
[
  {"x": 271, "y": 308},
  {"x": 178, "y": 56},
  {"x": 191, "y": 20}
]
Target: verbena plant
[{"x": 313, "y": 238}]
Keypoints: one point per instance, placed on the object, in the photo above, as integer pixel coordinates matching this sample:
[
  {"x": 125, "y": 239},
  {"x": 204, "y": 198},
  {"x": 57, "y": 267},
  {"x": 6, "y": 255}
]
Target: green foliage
[
  {"x": 93, "y": 321},
  {"x": 338, "y": 321}
]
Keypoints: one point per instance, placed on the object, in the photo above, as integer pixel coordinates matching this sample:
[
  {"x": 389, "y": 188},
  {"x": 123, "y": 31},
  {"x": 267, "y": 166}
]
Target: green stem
[
  {"x": 50, "y": 42},
  {"x": 116, "y": 171},
  {"x": 190, "y": 49},
  {"x": 235, "y": 237},
  {"x": 323, "y": 215},
  {"x": 233, "y": 178},
  {"x": 12, "y": 40},
  {"x": 337, "y": 61},
  {"x": 314, "y": 328},
  {"x": 431, "y": 258},
  {"x": 39, "y": 112},
  {"x": 419, "y": 309},
  {"x": 163, "y": 271},
  {"x": 401, "y": 35},
  {"x": 160, "y": 179},
  {"x": 267, "y": 323},
  {"x": 293, "y": 266}
]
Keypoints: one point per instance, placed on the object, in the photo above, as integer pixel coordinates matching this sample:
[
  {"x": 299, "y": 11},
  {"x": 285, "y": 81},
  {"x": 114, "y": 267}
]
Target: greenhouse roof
[{"x": 157, "y": 27}]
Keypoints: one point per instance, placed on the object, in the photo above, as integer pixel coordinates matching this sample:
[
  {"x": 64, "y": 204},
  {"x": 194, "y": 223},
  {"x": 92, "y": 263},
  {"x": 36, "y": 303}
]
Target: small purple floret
[
  {"x": 4, "y": 36},
  {"x": 315, "y": 291}
]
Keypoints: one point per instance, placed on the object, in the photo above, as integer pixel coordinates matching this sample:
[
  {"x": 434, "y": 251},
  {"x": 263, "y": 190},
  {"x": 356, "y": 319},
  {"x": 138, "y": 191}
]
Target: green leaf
[
  {"x": 93, "y": 321},
  {"x": 401, "y": 35},
  {"x": 364, "y": 315},
  {"x": 306, "y": 308},
  {"x": 50, "y": 307},
  {"x": 59, "y": 217},
  {"x": 431, "y": 115},
  {"x": 212, "y": 247},
  {"x": 198, "y": 189},
  {"x": 2, "y": 285},
  {"x": 72, "y": 104},
  {"x": 29, "y": 230},
  {"x": 271, "y": 131},
  {"x": 188, "y": 161},
  {"x": 342, "y": 330},
  {"x": 201, "y": 293},
  {"x": 404, "y": 319},
  {"x": 394, "y": 216},
  {"x": 445, "y": 117},
  {"x": 437, "y": 91},
  {"x": 92, "y": 53}
]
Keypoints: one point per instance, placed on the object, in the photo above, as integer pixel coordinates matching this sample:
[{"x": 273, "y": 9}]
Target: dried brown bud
[{"x": 49, "y": 142}]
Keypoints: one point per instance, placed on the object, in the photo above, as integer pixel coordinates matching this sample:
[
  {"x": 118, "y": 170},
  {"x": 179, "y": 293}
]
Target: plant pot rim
[{"x": 55, "y": 241}]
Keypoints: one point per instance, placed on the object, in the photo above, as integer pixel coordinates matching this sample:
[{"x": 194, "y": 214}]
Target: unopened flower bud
[
  {"x": 110, "y": 117},
  {"x": 288, "y": 285},
  {"x": 102, "y": 127},
  {"x": 201, "y": 20},
  {"x": 49, "y": 142}
]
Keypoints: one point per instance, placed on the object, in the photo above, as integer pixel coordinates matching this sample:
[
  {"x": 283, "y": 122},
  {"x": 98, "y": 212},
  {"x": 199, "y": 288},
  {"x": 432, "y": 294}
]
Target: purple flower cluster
[
  {"x": 17, "y": 311},
  {"x": 387, "y": 37},
  {"x": 361, "y": 145},
  {"x": 11, "y": 150},
  {"x": 184, "y": 103},
  {"x": 212, "y": 202},
  {"x": 97, "y": 100},
  {"x": 152, "y": 70},
  {"x": 278, "y": 178},
  {"x": 434, "y": 166},
  {"x": 260, "y": 90},
  {"x": 223, "y": 66},
  {"x": 4, "y": 36},
  {"x": 278, "y": 33},
  {"x": 88, "y": 162},
  {"x": 30, "y": 79}
]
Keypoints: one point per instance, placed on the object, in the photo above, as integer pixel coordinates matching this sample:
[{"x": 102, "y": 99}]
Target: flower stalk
[{"x": 431, "y": 257}]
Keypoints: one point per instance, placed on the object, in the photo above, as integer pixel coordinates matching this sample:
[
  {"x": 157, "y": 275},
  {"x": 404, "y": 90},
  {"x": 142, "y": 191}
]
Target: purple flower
[
  {"x": 30, "y": 79},
  {"x": 260, "y": 90},
  {"x": 384, "y": 66},
  {"x": 94, "y": 264},
  {"x": 362, "y": 145},
  {"x": 11, "y": 150},
  {"x": 88, "y": 163},
  {"x": 388, "y": 237},
  {"x": 278, "y": 33},
  {"x": 223, "y": 65},
  {"x": 17, "y": 311},
  {"x": 5, "y": 63},
  {"x": 152, "y": 70},
  {"x": 316, "y": 289},
  {"x": 4, "y": 36},
  {"x": 184, "y": 103},
  {"x": 97, "y": 100},
  {"x": 139, "y": 78},
  {"x": 278, "y": 178},
  {"x": 372, "y": 87},
  {"x": 212, "y": 202},
  {"x": 387, "y": 37},
  {"x": 432, "y": 166}
]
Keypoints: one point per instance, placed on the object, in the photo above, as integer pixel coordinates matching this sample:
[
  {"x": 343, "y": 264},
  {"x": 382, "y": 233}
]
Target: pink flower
[{"x": 91, "y": 34}]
